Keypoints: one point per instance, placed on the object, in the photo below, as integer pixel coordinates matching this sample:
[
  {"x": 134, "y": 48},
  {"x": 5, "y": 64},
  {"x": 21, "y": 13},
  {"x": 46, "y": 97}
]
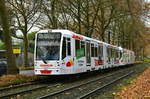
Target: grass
[{"x": 9, "y": 80}]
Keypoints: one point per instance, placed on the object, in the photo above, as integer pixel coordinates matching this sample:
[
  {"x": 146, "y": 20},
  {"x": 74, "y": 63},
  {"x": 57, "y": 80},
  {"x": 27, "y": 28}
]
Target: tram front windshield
[{"x": 48, "y": 46}]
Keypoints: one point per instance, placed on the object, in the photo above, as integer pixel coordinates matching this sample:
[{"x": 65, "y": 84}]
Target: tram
[{"x": 61, "y": 52}]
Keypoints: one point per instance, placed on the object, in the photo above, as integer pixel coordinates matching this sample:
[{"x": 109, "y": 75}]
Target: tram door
[{"x": 88, "y": 53}]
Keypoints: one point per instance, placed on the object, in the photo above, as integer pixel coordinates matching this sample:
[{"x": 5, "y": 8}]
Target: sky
[{"x": 148, "y": 23}]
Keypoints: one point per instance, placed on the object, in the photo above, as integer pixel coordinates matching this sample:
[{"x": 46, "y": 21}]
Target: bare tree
[
  {"x": 50, "y": 10},
  {"x": 12, "y": 69},
  {"x": 26, "y": 14},
  {"x": 110, "y": 20}
]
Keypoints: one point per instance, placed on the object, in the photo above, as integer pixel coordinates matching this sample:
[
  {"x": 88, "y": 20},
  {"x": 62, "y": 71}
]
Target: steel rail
[
  {"x": 75, "y": 86},
  {"x": 17, "y": 86},
  {"x": 97, "y": 89},
  {"x": 26, "y": 91},
  {"x": 21, "y": 85}
]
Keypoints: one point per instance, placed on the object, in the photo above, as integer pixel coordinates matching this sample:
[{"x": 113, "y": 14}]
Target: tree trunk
[
  {"x": 25, "y": 39},
  {"x": 25, "y": 51},
  {"x": 79, "y": 17},
  {"x": 53, "y": 13},
  {"x": 11, "y": 61},
  {"x": 102, "y": 34}
]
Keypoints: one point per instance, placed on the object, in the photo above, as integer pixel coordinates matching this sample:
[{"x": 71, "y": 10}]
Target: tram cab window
[{"x": 48, "y": 46}]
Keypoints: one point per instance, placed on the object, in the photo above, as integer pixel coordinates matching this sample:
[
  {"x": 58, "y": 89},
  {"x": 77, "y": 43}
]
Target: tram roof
[{"x": 70, "y": 33}]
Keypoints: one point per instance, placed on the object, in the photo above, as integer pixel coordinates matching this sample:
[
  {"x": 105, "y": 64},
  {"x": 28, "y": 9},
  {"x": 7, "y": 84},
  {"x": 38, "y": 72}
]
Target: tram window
[
  {"x": 100, "y": 49},
  {"x": 117, "y": 54},
  {"x": 112, "y": 53},
  {"x": 68, "y": 39},
  {"x": 68, "y": 46},
  {"x": 77, "y": 46},
  {"x": 109, "y": 52},
  {"x": 83, "y": 46},
  {"x": 64, "y": 48},
  {"x": 120, "y": 54},
  {"x": 96, "y": 55},
  {"x": 92, "y": 50}
]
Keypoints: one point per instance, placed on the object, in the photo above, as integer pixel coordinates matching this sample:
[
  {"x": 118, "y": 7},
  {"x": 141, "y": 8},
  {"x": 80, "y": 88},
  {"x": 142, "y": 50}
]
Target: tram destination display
[{"x": 45, "y": 39}]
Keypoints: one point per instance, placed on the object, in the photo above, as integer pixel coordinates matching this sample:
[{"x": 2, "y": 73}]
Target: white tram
[{"x": 59, "y": 52}]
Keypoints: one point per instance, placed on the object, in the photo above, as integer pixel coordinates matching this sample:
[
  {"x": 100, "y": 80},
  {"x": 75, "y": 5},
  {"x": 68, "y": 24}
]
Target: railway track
[
  {"x": 105, "y": 85},
  {"x": 17, "y": 86},
  {"x": 79, "y": 86},
  {"x": 74, "y": 89},
  {"x": 23, "y": 85},
  {"x": 27, "y": 91}
]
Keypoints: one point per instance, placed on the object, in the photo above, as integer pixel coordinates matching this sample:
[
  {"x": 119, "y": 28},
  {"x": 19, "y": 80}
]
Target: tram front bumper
[{"x": 47, "y": 71}]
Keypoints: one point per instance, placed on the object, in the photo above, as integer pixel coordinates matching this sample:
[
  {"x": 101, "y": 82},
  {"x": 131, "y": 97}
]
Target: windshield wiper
[{"x": 44, "y": 60}]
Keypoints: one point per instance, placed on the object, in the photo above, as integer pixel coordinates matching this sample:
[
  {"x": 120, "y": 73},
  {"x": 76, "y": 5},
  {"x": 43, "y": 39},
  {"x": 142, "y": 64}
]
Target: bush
[
  {"x": 2, "y": 46},
  {"x": 146, "y": 60}
]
